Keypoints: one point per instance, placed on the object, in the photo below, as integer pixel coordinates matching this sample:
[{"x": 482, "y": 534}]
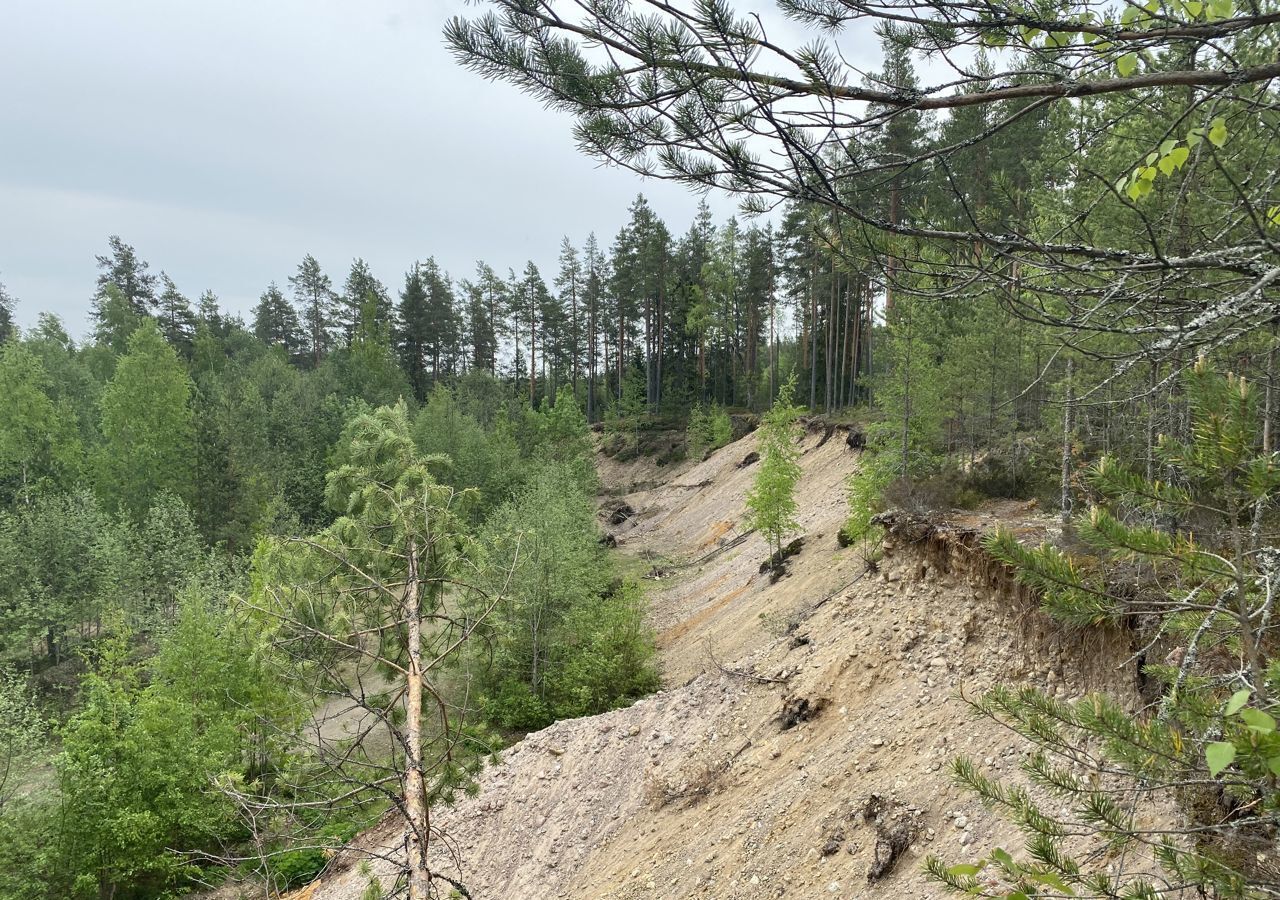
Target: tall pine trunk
[{"x": 417, "y": 813}]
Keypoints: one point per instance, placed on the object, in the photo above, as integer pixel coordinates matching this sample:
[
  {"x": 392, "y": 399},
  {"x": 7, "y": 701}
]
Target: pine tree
[
  {"x": 494, "y": 295},
  {"x": 276, "y": 323},
  {"x": 594, "y": 280},
  {"x": 399, "y": 552},
  {"x": 531, "y": 301},
  {"x": 208, "y": 311},
  {"x": 313, "y": 294},
  {"x": 175, "y": 317},
  {"x": 361, "y": 286},
  {"x": 570, "y": 287},
  {"x": 123, "y": 270},
  {"x": 482, "y": 340},
  {"x": 440, "y": 327}
]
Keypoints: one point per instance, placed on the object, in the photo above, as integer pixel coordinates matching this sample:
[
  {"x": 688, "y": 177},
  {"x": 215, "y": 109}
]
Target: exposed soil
[{"x": 800, "y": 748}]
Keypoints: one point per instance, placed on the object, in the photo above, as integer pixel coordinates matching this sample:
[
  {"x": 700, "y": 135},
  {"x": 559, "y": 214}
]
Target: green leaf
[
  {"x": 1219, "y": 755},
  {"x": 964, "y": 870},
  {"x": 1052, "y": 881},
  {"x": 1274, "y": 765},
  {"x": 1127, "y": 64},
  {"x": 1167, "y": 165},
  {"x": 1167, "y": 147},
  {"x": 1218, "y": 133},
  {"x": 1002, "y": 856},
  {"x": 1148, "y": 173},
  {"x": 1237, "y": 702},
  {"x": 1258, "y": 720},
  {"x": 1139, "y": 189},
  {"x": 1221, "y": 9},
  {"x": 1195, "y": 136},
  {"x": 1180, "y": 155},
  {"x": 1194, "y": 8}
]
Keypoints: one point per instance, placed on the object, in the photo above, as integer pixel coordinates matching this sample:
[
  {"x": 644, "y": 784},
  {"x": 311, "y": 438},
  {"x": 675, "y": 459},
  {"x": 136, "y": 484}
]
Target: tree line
[{"x": 1067, "y": 214}]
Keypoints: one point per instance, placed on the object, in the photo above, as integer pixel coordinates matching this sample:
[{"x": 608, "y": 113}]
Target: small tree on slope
[
  {"x": 1180, "y": 798},
  {"x": 771, "y": 502},
  {"x": 391, "y": 590}
]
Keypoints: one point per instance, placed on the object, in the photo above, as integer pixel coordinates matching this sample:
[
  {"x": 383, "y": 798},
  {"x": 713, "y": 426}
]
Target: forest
[{"x": 265, "y": 576}]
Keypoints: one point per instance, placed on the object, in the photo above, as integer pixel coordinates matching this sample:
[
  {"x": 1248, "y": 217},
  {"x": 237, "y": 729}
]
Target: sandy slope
[{"x": 700, "y": 791}]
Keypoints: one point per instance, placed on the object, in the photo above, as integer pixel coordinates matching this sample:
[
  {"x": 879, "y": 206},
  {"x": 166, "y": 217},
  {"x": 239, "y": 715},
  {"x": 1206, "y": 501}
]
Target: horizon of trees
[{"x": 703, "y": 316}]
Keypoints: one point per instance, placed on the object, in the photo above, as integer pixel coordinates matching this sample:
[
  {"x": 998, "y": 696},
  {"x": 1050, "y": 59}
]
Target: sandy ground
[{"x": 789, "y": 708}]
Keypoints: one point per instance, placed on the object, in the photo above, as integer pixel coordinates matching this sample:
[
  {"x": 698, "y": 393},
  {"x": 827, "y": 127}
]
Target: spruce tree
[
  {"x": 413, "y": 331},
  {"x": 314, "y": 297}
]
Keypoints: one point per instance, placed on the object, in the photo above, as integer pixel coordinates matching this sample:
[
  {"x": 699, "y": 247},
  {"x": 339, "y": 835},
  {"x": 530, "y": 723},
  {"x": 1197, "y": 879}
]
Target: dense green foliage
[
  {"x": 1006, "y": 277},
  {"x": 161, "y": 678},
  {"x": 709, "y": 429},
  {"x": 771, "y": 502},
  {"x": 572, "y": 641},
  {"x": 1208, "y": 748}
]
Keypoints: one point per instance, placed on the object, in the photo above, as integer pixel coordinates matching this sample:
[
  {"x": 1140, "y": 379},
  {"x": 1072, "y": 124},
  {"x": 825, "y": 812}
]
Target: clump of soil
[
  {"x": 896, "y": 829},
  {"x": 800, "y": 709},
  {"x": 777, "y": 561}
]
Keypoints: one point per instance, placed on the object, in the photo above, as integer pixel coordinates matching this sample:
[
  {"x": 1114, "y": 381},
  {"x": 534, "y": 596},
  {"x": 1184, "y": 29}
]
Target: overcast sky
[{"x": 225, "y": 140}]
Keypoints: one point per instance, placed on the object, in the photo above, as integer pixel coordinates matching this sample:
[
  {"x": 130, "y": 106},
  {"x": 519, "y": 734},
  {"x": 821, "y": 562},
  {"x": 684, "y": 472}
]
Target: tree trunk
[
  {"x": 533, "y": 353},
  {"x": 591, "y": 358},
  {"x": 1068, "y": 413},
  {"x": 1268, "y": 408},
  {"x": 417, "y": 821},
  {"x": 813, "y": 334}
]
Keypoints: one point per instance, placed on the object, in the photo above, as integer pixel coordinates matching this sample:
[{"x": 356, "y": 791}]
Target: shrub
[{"x": 710, "y": 428}]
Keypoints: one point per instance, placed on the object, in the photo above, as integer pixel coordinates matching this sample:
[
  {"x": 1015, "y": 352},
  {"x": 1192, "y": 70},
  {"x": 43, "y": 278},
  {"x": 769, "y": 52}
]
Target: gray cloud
[{"x": 226, "y": 140}]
